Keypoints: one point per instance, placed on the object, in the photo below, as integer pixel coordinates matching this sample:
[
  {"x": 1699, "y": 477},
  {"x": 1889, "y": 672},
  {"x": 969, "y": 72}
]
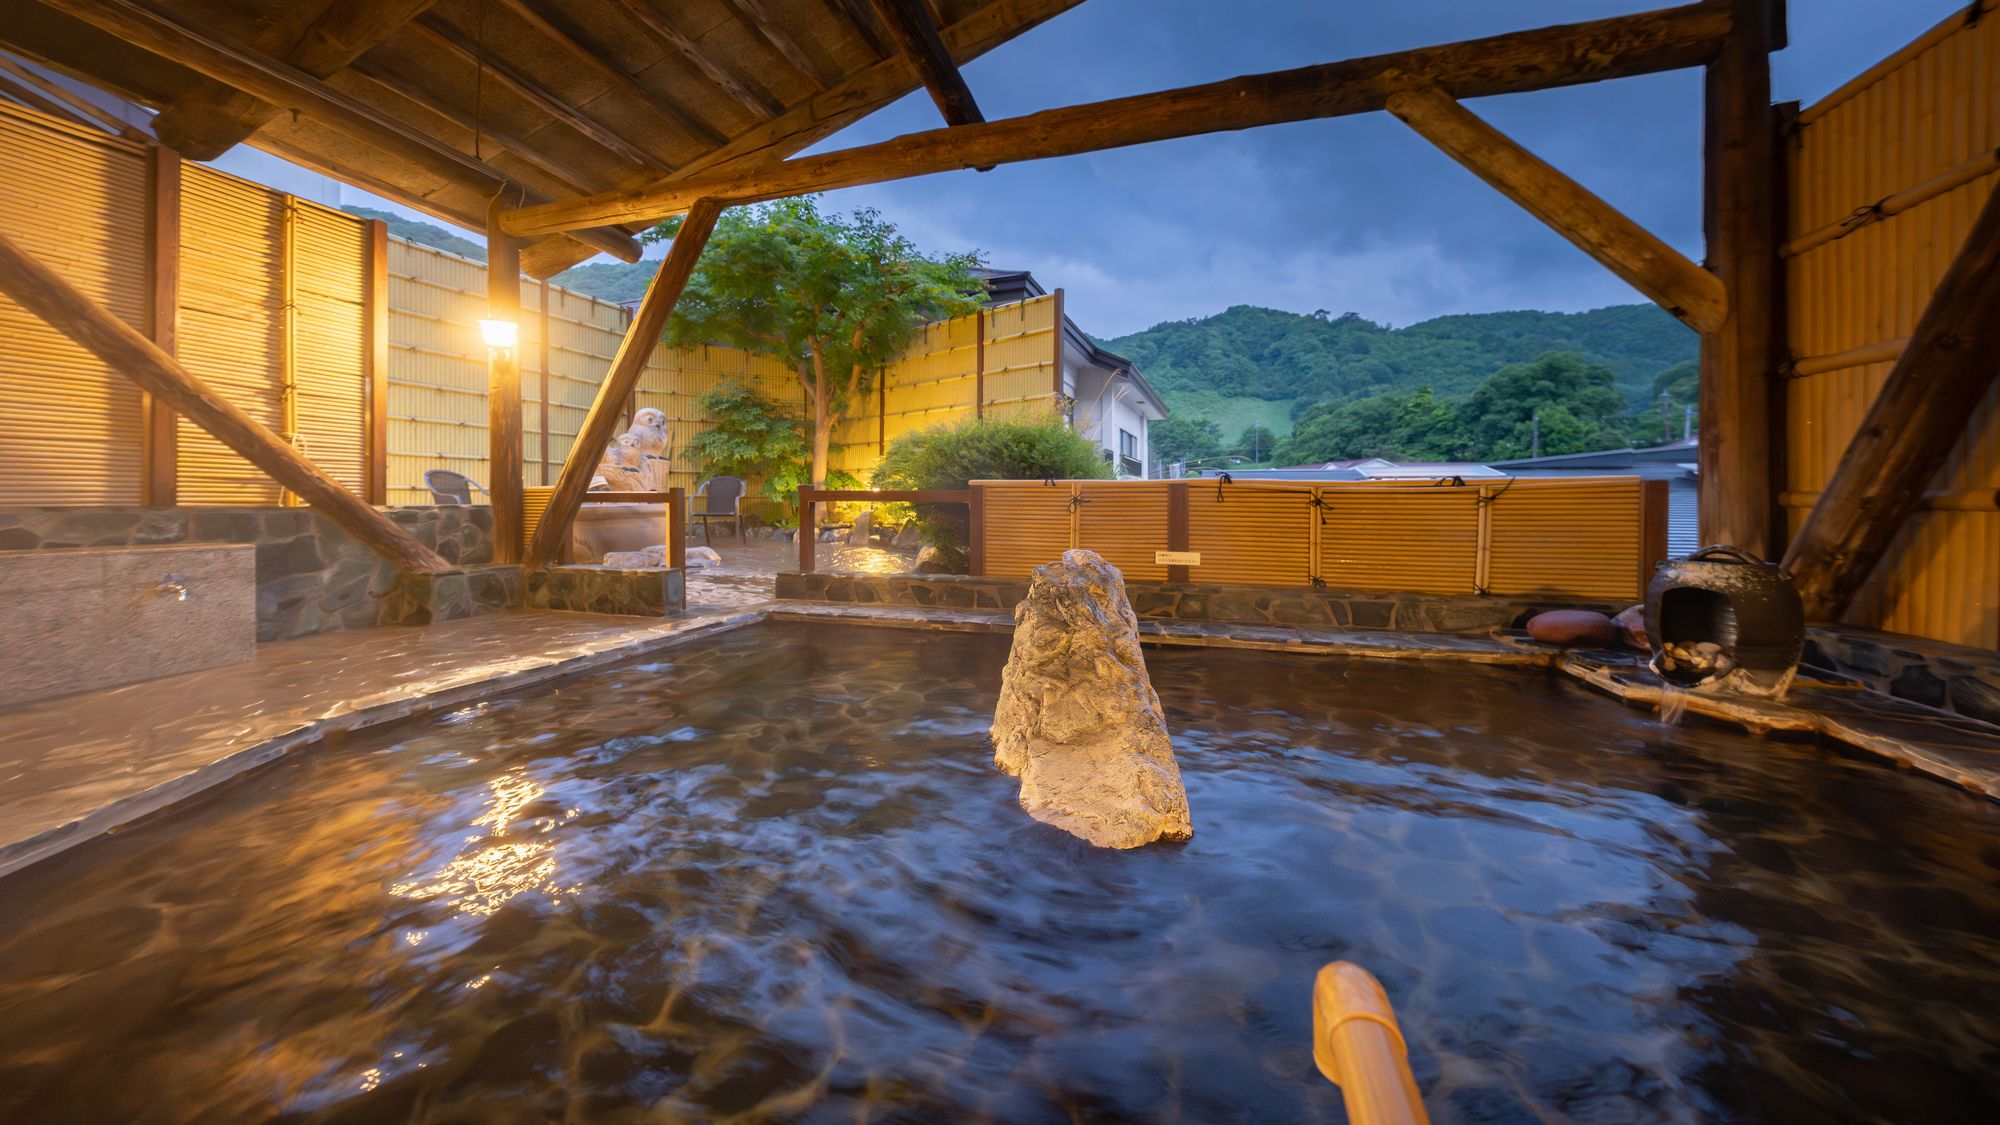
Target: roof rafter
[
  {"x": 537, "y": 94},
  {"x": 916, "y": 35},
  {"x": 592, "y": 56},
  {"x": 1564, "y": 55},
  {"x": 283, "y": 86},
  {"x": 755, "y": 101},
  {"x": 752, "y": 14}
]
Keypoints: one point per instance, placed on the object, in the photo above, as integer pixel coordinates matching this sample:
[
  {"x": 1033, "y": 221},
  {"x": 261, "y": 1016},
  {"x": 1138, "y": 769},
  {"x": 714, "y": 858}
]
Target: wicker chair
[{"x": 721, "y": 499}]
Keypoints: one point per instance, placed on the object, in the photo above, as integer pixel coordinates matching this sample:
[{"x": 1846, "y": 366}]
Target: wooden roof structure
[{"x": 449, "y": 105}]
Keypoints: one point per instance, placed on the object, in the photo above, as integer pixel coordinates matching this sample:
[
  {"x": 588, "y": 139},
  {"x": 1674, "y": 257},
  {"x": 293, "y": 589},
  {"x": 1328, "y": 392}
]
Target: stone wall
[
  {"x": 636, "y": 592},
  {"x": 311, "y": 577},
  {"x": 1325, "y": 607},
  {"x": 1933, "y": 673}
]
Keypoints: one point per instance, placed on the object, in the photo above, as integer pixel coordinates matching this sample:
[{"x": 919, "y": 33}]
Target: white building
[{"x": 1113, "y": 400}]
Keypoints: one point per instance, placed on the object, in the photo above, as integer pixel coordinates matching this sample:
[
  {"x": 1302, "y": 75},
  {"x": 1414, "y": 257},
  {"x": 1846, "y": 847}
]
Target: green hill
[
  {"x": 607, "y": 281},
  {"x": 1251, "y": 364}
]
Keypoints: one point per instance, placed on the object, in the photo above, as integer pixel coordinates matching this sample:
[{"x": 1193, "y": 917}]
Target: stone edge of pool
[{"x": 1960, "y": 751}]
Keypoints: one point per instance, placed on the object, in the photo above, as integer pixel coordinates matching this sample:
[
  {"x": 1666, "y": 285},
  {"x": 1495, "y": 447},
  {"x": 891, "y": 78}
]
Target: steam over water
[{"x": 777, "y": 876}]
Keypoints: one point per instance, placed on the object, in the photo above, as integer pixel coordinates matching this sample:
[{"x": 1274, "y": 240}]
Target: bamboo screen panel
[
  {"x": 1251, "y": 534},
  {"x": 1580, "y": 538},
  {"x": 584, "y": 334},
  {"x": 234, "y": 239},
  {"x": 1021, "y": 357},
  {"x": 330, "y": 341},
  {"x": 1575, "y": 538},
  {"x": 69, "y": 427},
  {"x": 676, "y": 378},
  {"x": 437, "y": 368},
  {"x": 533, "y": 357},
  {"x": 1926, "y": 118},
  {"x": 1422, "y": 539},
  {"x": 1126, "y": 523},
  {"x": 1028, "y": 524}
]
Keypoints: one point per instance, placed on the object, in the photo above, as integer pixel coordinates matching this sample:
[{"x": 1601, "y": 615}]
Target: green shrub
[
  {"x": 952, "y": 456},
  {"x": 761, "y": 440}
]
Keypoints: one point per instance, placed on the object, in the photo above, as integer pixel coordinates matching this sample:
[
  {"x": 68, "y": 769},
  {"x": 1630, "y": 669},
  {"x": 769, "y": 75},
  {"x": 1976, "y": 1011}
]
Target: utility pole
[
  {"x": 1687, "y": 423},
  {"x": 1666, "y": 421},
  {"x": 1535, "y": 437}
]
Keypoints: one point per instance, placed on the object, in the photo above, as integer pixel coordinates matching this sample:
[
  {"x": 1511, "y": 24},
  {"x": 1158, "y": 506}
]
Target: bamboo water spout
[{"x": 1360, "y": 1049}]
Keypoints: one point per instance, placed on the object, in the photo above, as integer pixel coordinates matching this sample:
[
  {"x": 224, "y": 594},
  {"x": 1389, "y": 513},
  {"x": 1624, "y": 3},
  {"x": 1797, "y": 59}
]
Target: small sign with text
[{"x": 1176, "y": 558}]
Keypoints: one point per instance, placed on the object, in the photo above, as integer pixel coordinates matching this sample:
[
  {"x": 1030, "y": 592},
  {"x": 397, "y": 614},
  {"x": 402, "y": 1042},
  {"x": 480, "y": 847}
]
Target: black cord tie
[
  {"x": 1322, "y": 505},
  {"x": 1453, "y": 481},
  {"x": 1220, "y": 480}
]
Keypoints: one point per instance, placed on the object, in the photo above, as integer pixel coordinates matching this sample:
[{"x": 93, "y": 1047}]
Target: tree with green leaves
[
  {"x": 761, "y": 440},
  {"x": 1180, "y": 437},
  {"x": 834, "y": 297},
  {"x": 1258, "y": 442}
]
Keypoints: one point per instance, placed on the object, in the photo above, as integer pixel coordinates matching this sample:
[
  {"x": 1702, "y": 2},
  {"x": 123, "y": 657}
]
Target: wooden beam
[
  {"x": 833, "y": 110},
  {"x": 1529, "y": 60},
  {"x": 160, "y": 443},
  {"x": 47, "y": 294},
  {"x": 1739, "y": 361},
  {"x": 503, "y": 396},
  {"x": 31, "y": 89},
  {"x": 752, "y": 14},
  {"x": 214, "y": 117},
  {"x": 909, "y": 24},
  {"x": 633, "y": 351},
  {"x": 1920, "y": 414},
  {"x": 559, "y": 171},
  {"x": 755, "y": 102},
  {"x": 288, "y": 88},
  {"x": 1594, "y": 226},
  {"x": 428, "y": 28},
  {"x": 594, "y": 57}
]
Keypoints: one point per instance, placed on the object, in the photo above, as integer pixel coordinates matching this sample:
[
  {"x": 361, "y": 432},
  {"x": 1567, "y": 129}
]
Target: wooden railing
[
  {"x": 535, "y": 499},
  {"x": 811, "y": 498}
]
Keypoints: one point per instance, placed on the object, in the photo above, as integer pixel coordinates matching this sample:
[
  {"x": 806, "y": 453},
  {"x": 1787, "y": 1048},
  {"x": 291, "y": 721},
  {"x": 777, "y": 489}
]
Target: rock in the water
[
  {"x": 1078, "y": 721},
  {"x": 702, "y": 556},
  {"x": 1631, "y": 626},
  {"x": 1573, "y": 627},
  {"x": 943, "y": 560},
  {"x": 908, "y": 536},
  {"x": 864, "y": 528}
]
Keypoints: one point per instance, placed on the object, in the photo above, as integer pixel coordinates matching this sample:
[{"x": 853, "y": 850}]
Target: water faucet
[{"x": 174, "y": 585}]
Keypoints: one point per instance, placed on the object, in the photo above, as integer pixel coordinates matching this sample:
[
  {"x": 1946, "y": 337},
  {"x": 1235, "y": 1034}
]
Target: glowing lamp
[{"x": 500, "y": 335}]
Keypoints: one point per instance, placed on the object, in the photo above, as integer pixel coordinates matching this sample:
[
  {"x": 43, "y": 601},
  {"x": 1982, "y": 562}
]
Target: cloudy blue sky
[{"x": 1350, "y": 214}]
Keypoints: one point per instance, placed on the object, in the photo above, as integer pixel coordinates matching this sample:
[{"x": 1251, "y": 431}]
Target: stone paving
[{"x": 80, "y": 765}]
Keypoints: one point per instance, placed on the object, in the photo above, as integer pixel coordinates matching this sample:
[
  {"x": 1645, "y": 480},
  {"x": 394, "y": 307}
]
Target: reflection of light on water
[
  {"x": 371, "y": 1078},
  {"x": 870, "y": 560},
  {"x": 482, "y": 880}
]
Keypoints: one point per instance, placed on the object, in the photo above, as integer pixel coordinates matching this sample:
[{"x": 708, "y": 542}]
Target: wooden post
[
  {"x": 808, "y": 529},
  {"x": 979, "y": 364},
  {"x": 677, "y": 529},
  {"x": 975, "y": 550},
  {"x": 503, "y": 395},
  {"x": 1059, "y": 315},
  {"x": 160, "y": 439},
  {"x": 1918, "y": 417},
  {"x": 377, "y": 384},
  {"x": 1654, "y": 498},
  {"x": 547, "y": 322},
  {"x": 69, "y": 311},
  {"x": 1738, "y": 360},
  {"x": 1177, "y": 527},
  {"x": 602, "y": 420}
]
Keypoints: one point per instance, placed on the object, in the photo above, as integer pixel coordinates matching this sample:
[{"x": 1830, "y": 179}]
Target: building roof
[{"x": 547, "y": 99}]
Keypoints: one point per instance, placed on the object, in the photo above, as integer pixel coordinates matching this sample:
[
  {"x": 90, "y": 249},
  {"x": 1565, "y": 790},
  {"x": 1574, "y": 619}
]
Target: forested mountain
[{"x": 1264, "y": 353}]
